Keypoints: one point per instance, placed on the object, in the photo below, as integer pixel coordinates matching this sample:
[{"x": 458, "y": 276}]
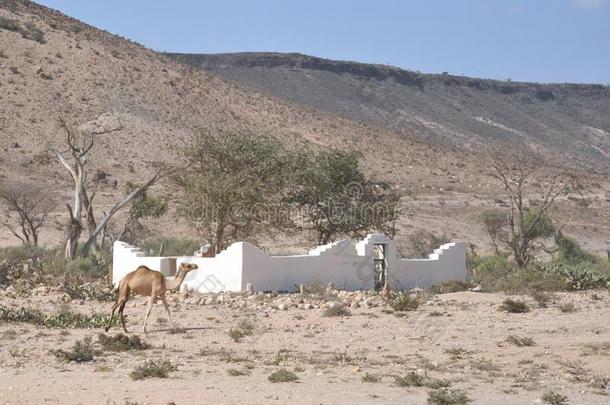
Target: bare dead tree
[
  {"x": 31, "y": 205},
  {"x": 521, "y": 174},
  {"x": 79, "y": 144}
]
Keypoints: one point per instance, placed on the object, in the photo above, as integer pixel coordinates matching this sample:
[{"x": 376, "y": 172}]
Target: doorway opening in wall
[{"x": 380, "y": 266}]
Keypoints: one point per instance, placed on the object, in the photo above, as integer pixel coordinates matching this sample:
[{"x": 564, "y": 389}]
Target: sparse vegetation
[
  {"x": 456, "y": 352},
  {"x": 234, "y": 372},
  {"x": 542, "y": 298},
  {"x": 27, "y": 31},
  {"x": 514, "y": 306},
  {"x": 282, "y": 375},
  {"x": 404, "y": 302},
  {"x": 153, "y": 368},
  {"x": 414, "y": 379},
  {"x": 448, "y": 397},
  {"x": 121, "y": 342},
  {"x": 81, "y": 352},
  {"x": 567, "y": 307},
  {"x": 336, "y": 310},
  {"x": 410, "y": 380},
  {"x": 58, "y": 320},
  {"x": 520, "y": 341},
  {"x": 370, "y": 378},
  {"x": 449, "y": 287},
  {"x": 554, "y": 398},
  {"x": 244, "y": 328},
  {"x": 600, "y": 349}
]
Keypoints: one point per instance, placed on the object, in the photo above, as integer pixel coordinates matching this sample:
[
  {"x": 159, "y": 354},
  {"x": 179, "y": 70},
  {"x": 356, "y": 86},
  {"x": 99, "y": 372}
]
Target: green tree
[
  {"x": 335, "y": 198},
  {"x": 494, "y": 220},
  {"x": 143, "y": 206},
  {"x": 232, "y": 185}
]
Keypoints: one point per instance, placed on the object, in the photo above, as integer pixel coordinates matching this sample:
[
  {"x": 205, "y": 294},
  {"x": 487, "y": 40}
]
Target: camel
[{"x": 146, "y": 282}]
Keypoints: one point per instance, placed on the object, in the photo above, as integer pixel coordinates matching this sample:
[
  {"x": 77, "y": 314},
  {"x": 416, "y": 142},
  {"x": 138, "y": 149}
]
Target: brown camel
[{"x": 146, "y": 282}]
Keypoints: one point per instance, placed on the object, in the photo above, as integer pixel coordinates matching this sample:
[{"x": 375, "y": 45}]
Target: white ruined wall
[
  {"x": 347, "y": 266},
  {"x": 337, "y": 262},
  {"x": 126, "y": 258},
  {"x": 215, "y": 274},
  {"x": 448, "y": 262}
]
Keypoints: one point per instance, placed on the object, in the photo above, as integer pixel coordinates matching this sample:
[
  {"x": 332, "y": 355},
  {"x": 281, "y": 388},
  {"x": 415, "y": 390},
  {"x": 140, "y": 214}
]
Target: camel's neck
[{"x": 173, "y": 285}]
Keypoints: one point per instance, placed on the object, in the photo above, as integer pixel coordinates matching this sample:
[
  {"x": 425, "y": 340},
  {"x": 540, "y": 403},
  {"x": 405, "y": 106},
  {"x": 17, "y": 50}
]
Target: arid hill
[
  {"x": 54, "y": 66},
  {"x": 570, "y": 121}
]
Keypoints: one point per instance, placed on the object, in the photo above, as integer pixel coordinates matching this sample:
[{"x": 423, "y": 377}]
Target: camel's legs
[
  {"x": 151, "y": 300},
  {"x": 169, "y": 316},
  {"x": 116, "y": 304},
  {"x": 121, "y": 308}
]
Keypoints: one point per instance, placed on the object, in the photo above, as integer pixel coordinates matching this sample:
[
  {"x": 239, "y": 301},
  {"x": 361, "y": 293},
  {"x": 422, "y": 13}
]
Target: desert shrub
[
  {"x": 567, "y": 307},
  {"x": 152, "y": 368},
  {"x": 121, "y": 342},
  {"x": 576, "y": 277},
  {"x": 170, "y": 246},
  {"x": 282, "y": 375},
  {"x": 81, "y": 352},
  {"x": 542, "y": 298},
  {"x": 520, "y": 341},
  {"x": 488, "y": 271},
  {"x": 404, "y": 302},
  {"x": 244, "y": 328},
  {"x": 449, "y": 287},
  {"x": 569, "y": 251},
  {"x": 413, "y": 379},
  {"x": 370, "y": 378},
  {"x": 410, "y": 380},
  {"x": 514, "y": 306},
  {"x": 448, "y": 397},
  {"x": 235, "y": 372},
  {"x": 336, "y": 310},
  {"x": 89, "y": 267},
  {"x": 554, "y": 398}
]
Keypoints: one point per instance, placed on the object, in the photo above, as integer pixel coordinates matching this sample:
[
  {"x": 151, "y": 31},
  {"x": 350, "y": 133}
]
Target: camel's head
[{"x": 186, "y": 267}]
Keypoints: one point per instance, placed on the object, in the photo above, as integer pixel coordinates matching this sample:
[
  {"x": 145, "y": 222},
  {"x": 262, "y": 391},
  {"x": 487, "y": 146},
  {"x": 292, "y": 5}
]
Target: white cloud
[{"x": 588, "y": 3}]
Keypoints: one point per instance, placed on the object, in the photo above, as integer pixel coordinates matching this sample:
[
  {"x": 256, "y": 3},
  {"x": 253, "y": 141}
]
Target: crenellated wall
[{"x": 346, "y": 265}]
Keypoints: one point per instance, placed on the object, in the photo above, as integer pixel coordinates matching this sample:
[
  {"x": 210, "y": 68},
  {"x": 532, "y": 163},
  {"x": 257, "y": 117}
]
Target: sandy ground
[{"x": 461, "y": 337}]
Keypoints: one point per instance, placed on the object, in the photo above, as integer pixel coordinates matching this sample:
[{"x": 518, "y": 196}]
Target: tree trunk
[{"x": 117, "y": 207}]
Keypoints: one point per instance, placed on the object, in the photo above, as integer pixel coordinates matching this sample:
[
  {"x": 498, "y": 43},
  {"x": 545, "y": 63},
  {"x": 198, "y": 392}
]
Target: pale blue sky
[{"x": 530, "y": 40}]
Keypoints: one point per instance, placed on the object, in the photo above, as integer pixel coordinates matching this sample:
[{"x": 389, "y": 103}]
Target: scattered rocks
[{"x": 273, "y": 302}]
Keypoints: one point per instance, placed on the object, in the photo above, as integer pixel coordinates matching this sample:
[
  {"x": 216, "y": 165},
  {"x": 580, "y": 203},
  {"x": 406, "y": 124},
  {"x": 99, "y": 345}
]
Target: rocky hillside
[{"x": 569, "y": 121}]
